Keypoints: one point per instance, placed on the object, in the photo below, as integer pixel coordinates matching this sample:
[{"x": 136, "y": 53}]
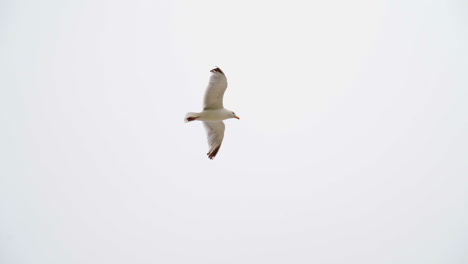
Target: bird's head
[{"x": 233, "y": 115}]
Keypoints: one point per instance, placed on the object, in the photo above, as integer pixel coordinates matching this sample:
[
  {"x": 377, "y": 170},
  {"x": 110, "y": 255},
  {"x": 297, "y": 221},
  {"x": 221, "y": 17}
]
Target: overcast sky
[{"x": 351, "y": 147}]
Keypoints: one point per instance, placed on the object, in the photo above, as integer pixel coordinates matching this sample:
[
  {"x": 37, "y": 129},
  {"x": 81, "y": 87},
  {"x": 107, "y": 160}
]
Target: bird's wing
[
  {"x": 215, "y": 134},
  {"x": 214, "y": 92}
]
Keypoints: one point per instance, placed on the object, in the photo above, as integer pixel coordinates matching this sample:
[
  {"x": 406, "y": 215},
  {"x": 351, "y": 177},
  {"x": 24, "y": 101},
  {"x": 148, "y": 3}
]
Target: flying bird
[{"x": 213, "y": 112}]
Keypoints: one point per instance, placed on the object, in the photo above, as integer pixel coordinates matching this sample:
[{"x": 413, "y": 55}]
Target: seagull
[{"x": 213, "y": 112}]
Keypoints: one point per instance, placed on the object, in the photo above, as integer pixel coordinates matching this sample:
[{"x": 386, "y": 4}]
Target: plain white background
[{"x": 351, "y": 148}]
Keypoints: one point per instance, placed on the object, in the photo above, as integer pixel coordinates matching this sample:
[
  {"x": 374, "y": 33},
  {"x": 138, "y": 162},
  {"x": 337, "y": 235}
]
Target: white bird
[{"x": 213, "y": 112}]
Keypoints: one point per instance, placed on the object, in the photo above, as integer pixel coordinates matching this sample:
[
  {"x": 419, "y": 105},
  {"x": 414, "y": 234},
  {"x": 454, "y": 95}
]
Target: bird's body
[
  {"x": 213, "y": 112},
  {"x": 210, "y": 115}
]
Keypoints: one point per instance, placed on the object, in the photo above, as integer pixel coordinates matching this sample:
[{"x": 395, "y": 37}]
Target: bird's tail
[{"x": 191, "y": 116}]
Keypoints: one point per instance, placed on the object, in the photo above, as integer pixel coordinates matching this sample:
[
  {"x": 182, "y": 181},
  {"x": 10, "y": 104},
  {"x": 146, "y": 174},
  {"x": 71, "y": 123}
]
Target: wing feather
[
  {"x": 214, "y": 93},
  {"x": 215, "y": 135}
]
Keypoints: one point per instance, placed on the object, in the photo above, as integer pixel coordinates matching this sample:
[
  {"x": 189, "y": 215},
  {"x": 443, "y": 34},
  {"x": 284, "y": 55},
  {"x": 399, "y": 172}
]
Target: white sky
[{"x": 351, "y": 148}]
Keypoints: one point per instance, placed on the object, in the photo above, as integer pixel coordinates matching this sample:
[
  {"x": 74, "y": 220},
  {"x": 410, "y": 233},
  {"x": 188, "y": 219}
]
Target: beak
[{"x": 237, "y": 117}]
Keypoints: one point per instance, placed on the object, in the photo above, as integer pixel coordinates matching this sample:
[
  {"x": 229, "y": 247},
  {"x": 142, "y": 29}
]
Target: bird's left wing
[
  {"x": 215, "y": 91},
  {"x": 215, "y": 134}
]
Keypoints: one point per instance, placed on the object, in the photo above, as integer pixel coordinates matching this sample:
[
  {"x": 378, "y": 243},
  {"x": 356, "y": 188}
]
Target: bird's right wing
[
  {"x": 215, "y": 91},
  {"x": 215, "y": 134}
]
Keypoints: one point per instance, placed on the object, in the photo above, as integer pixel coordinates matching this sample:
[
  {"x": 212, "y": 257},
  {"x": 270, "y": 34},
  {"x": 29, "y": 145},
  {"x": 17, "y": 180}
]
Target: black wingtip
[
  {"x": 217, "y": 69},
  {"x": 213, "y": 153}
]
